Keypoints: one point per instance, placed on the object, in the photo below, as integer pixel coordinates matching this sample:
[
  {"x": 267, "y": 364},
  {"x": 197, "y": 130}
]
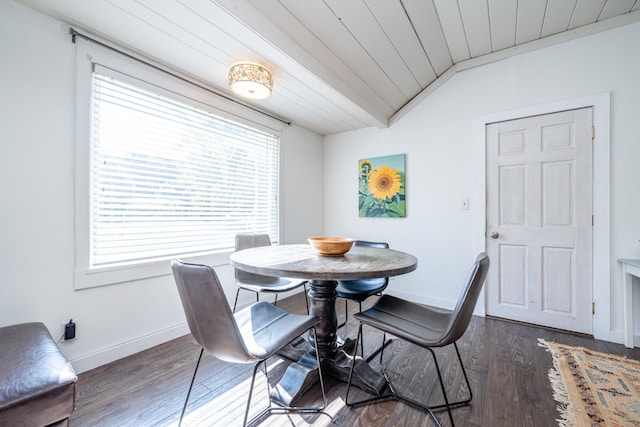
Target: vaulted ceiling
[{"x": 338, "y": 65}]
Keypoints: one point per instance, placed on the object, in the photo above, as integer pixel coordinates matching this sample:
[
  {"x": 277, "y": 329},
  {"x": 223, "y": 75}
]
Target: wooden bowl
[{"x": 330, "y": 246}]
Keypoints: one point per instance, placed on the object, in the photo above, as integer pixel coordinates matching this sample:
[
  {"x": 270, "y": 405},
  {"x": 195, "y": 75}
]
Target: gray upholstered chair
[
  {"x": 360, "y": 290},
  {"x": 258, "y": 283},
  {"x": 251, "y": 335},
  {"x": 426, "y": 328}
]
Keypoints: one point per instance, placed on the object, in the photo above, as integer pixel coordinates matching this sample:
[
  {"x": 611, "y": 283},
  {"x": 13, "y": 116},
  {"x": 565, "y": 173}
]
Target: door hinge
[
  {"x": 593, "y": 132},
  {"x": 593, "y": 308}
]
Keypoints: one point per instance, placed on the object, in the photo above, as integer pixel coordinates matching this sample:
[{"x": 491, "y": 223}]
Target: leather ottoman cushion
[{"x": 37, "y": 383}]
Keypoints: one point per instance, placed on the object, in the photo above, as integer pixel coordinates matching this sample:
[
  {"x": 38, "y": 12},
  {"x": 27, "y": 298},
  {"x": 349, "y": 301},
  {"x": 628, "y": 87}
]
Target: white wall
[
  {"x": 437, "y": 137},
  {"x": 37, "y": 105},
  {"x": 302, "y": 185}
]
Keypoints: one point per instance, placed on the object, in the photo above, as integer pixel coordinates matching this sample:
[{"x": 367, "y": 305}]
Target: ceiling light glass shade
[{"x": 250, "y": 80}]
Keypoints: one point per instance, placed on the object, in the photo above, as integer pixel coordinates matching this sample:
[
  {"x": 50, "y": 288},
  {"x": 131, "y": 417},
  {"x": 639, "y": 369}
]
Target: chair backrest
[
  {"x": 252, "y": 240},
  {"x": 461, "y": 315},
  {"x": 383, "y": 245},
  {"x": 208, "y": 314},
  {"x": 382, "y": 281}
]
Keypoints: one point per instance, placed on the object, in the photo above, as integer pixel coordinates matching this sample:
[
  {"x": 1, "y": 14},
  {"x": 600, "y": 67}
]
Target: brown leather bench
[{"x": 37, "y": 383}]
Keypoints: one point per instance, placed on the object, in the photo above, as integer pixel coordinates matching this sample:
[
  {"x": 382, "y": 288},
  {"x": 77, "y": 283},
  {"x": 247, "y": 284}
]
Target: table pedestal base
[
  {"x": 300, "y": 376},
  {"x": 336, "y": 359},
  {"x": 297, "y": 379}
]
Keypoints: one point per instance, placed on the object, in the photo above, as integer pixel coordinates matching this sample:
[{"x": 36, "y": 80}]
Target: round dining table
[{"x": 301, "y": 262}]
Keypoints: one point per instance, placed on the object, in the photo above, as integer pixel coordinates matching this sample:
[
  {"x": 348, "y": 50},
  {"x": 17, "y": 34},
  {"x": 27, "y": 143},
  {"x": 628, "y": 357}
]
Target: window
[{"x": 166, "y": 176}]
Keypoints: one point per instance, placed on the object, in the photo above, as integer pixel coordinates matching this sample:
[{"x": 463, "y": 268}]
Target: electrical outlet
[{"x": 68, "y": 330}]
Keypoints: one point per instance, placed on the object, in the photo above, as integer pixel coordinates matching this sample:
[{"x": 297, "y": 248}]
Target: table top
[{"x": 301, "y": 262}]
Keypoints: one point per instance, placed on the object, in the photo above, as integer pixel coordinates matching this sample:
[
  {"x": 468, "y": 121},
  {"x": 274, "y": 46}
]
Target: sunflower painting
[{"x": 381, "y": 187}]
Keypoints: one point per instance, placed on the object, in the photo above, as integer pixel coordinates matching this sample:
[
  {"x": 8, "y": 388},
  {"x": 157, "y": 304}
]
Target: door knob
[{"x": 495, "y": 235}]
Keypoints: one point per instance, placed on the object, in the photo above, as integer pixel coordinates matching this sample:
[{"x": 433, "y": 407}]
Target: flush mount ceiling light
[{"x": 250, "y": 80}]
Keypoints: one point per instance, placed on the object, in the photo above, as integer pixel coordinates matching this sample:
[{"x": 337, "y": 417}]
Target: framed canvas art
[{"x": 381, "y": 183}]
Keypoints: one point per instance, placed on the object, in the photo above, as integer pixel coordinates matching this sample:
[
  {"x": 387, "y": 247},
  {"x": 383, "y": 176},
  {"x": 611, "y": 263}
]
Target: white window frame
[{"x": 88, "y": 55}]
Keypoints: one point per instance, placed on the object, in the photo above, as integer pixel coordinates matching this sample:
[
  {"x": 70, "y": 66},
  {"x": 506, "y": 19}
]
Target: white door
[{"x": 539, "y": 219}]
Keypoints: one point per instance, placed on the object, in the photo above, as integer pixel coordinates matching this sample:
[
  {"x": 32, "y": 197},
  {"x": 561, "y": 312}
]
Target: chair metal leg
[
  {"x": 346, "y": 317},
  {"x": 236, "y": 301},
  {"x": 394, "y": 394},
  {"x": 324, "y": 396},
  {"x": 193, "y": 378},
  {"x": 361, "y": 340},
  {"x": 444, "y": 392},
  {"x": 466, "y": 379},
  {"x": 380, "y": 349},
  {"x": 346, "y": 314},
  {"x": 384, "y": 344},
  {"x": 253, "y": 380}
]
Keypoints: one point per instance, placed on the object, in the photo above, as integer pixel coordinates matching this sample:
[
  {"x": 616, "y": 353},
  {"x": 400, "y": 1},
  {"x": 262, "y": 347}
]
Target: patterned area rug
[{"x": 592, "y": 388}]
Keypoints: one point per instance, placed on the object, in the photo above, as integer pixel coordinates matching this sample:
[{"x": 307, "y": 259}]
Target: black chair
[
  {"x": 360, "y": 290},
  {"x": 258, "y": 283},
  {"x": 251, "y": 335},
  {"x": 426, "y": 328}
]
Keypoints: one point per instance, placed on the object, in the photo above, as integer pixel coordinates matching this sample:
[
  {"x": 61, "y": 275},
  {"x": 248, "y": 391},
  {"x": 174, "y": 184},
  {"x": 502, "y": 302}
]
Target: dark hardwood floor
[{"x": 506, "y": 367}]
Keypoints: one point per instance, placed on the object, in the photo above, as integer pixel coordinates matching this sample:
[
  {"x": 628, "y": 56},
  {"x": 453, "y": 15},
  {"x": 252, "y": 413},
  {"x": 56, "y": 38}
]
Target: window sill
[{"x": 112, "y": 275}]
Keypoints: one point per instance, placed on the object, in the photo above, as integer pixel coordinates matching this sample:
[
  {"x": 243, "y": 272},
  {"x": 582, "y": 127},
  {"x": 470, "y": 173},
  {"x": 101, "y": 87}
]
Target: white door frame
[{"x": 601, "y": 196}]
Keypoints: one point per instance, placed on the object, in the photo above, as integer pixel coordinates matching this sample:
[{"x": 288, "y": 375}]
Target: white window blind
[{"x": 171, "y": 179}]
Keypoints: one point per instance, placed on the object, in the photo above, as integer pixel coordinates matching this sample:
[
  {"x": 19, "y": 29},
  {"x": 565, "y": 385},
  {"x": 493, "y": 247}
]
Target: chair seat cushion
[
  {"x": 269, "y": 284},
  {"x": 360, "y": 290},
  {"x": 37, "y": 383},
  {"x": 265, "y": 328},
  {"x": 413, "y": 322}
]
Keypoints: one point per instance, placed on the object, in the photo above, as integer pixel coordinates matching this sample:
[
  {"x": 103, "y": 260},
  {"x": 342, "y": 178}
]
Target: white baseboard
[{"x": 91, "y": 361}]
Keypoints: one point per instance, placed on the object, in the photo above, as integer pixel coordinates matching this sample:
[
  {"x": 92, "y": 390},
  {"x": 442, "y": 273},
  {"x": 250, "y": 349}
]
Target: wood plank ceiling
[{"x": 338, "y": 65}]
